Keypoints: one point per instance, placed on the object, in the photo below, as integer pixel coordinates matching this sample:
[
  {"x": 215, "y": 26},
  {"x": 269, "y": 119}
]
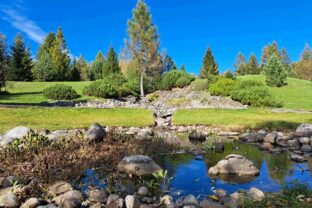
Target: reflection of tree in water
[{"x": 278, "y": 166}]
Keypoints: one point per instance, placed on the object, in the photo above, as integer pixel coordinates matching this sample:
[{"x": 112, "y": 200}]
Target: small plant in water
[
  {"x": 160, "y": 180},
  {"x": 209, "y": 146}
]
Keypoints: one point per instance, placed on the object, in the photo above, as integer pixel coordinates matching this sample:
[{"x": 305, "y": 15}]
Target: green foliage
[
  {"x": 176, "y": 78},
  {"x": 60, "y": 92},
  {"x": 75, "y": 74},
  {"x": 152, "y": 97},
  {"x": 20, "y": 64},
  {"x": 111, "y": 65},
  {"x": 209, "y": 67},
  {"x": 3, "y": 60},
  {"x": 169, "y": 64},
  {"x": 221, "y": 87},
  {"x": 44, "y": 69},
  {"x": 275, "y": 72},
  {"x": 96, "y": 71},
  {"x": 228, "y": 74},
  {"x": 252, "y": 65},
  {"x": 83, "y": 68},
  {"x": 199, "y": 85},
  {"x": 253, "y": 93}
]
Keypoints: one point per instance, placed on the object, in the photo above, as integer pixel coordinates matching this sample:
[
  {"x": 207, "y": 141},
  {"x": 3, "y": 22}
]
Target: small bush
[
  {"x": 253, "y": 93},
  {"x": 60, "y": 92},
  {"x": 175, "y": 78},
  {"x": 221, "y": 87},
  {"x": 199, "y": 85},
  {"x": 228, "y": 74}
]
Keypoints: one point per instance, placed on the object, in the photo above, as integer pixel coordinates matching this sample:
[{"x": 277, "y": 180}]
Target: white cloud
[{"x": 21, "y": 22}]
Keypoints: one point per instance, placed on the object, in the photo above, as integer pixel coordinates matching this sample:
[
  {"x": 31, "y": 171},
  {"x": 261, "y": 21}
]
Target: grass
[
  {"x": 31, "y": 92},
  {"x": 297, "y": 94},
  {"x": 252, "y": 118},
  {"x": 61, "y": 118}
]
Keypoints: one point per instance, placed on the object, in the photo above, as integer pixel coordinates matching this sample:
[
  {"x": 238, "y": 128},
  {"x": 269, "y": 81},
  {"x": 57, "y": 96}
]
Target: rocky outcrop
[
  {"x": 234, "y": 165},
  {"x": 163, "y": 115},
  {"x": 138, "y": 165}
]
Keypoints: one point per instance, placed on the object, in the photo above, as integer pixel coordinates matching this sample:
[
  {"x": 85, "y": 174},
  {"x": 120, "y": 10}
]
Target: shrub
[
  {"x": 199, "y": 85},
  {"x": 228, "y": 74},
  {"x": 253, "y": 93},
  {"x": 175, "y": 78},
  {"x": 222, "y": 86},
  {"x": 275, "y": 72},
  {"x": 60, "y": 92}
]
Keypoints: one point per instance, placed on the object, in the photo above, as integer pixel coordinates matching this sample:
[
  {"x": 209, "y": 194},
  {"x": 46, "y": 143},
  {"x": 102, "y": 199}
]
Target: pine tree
[
  {"x": 83, "y": 68},
  {"x": 111, "y": 64},
  {"x": 287, "y": 62},
  {"x": 275, "y": 72},
  {"x": 168, "y": 64},
  {"x": 268, "y": 51},
  {"x": 75, "y": 75},
  {"x": 240, "y": 65},
  {"x": 183, "y": 68},
  {"x": 307, "y": 53},
  {"x": 143, "y": 44},
  {"x": 252, "y": 65},
  {"x": 97, "y": 67},
  {"x": 44, "y": 69},
  {"x": 20, "y": 65},
  {"x": 3, "y": 60},
  {"x": 209, "y": 67}
]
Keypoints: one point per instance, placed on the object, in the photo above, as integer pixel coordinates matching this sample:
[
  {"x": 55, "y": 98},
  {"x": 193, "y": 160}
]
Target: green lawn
[
  {"x": 31, "y": 92},
  {"x": 240, "y": 119},
  {"x": 297, "y": 94},
  {"x": 59, "y": 118}
]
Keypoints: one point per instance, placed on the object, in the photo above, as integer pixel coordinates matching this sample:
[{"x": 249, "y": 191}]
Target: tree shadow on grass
[{"x": 280, "y": 125}]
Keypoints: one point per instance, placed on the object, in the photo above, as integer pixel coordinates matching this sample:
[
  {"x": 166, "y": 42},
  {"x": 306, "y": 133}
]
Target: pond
[{"x": 189, "y": 172}]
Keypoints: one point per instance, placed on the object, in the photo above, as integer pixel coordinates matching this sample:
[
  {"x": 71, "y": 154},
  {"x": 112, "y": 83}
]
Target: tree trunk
[{"x": 141, "y": 83}]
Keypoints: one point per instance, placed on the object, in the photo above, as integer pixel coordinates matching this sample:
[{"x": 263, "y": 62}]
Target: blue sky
[{"x": 187, "y": 27}]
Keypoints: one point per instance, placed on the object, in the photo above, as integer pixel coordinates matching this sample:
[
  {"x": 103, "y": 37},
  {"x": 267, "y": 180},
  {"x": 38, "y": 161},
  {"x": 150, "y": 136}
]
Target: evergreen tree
[
  {"x": 111, "y": 64},
  {"x": 168, "y": 64},
  {"x": 252, "y": 65},
  {"x": 143, "y": 44},
  {"x": 240, "y": 65},
  {"x": 83, "y": 68},
  {"x": 75, "y": 75},
  {"x": 287, "y": 62},
  {"x": 20, "y": 65},
  {"x": 268, "y": 51},
  {"x": 3, "y": 60},
  {"x": 307, "y": 53},
  {"x": 209, "y": 67},
  {"x": 97, "y": 67},
  {"x": 44, "y": 69},
  {"x": 275, "y": 72},
  {"x": 183, "y": 68}
]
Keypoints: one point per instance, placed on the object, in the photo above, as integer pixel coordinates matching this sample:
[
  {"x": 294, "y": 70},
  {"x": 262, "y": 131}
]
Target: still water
[{"x": 190, "y": 172}]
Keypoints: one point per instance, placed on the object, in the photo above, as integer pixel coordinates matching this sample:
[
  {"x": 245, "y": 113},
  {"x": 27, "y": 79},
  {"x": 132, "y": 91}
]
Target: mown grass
[
  {"x": 252, "y": 118},
  {"x": 60, "y": 118},
  {"x": 31, "y": 92},
  {"x": 297, "y": 94}
]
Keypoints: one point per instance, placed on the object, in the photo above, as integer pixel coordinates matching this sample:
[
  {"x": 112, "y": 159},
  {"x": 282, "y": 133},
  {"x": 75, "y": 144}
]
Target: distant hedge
[{"x": 60, "y": 92}]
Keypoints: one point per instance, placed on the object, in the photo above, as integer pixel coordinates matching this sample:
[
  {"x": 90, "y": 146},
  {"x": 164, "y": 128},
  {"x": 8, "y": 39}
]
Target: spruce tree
[
  {"x": 252, "y": 65},
  {"x": 83, "y": 68},
  {"x": 20, "y": 65},
  {"x": 97, "y": 67},
  {"x": 143, "y": 44},
  {"x": 275, "y": 72},
  {"x": 111, "y": 64},
  {"x": 240, "y": 65},
  {"x": 307, "y": 53},
  {"x": 209, "y": 67},
  {"x": 168, "y": 64},
  {"x": 287, "y": 62},
  {"x": 44, "y": 69},
  {"x": 183, "y": 68},
  {"x": 3, "y": 60},
  {"x": 75, "y": 75}
]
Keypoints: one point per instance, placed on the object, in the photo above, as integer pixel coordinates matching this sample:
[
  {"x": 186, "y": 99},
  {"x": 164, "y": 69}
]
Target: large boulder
[
  {"x": 59, "y": 188},
  {"x": 234, "y": 165},
  {"x": 8, "y": 200},
  {"x": 197, "y": 136},
  {"x": 256, "y": 194},
  {"x": 18, "y": 132},
  {"x": 304, "y": 130},
  {"x": 253, "y": 137},
  {"x": 71, "y": 199},
  {"x": 65, "y": 135},
  {"x": 293, "y": 144},
  {"x": 271, "y": 137},
  {"x": 95, "y": 196},
  {"x": 95, "y": 133},
  {"x": 138, "y": 165}
]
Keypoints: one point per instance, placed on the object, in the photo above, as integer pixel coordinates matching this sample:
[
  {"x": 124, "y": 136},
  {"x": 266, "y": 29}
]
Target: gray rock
[
  {"x": 190, "y": 200},
  {"x": 234, "y": 165},
  {"x": 304, "y": 140},
  {"x": 306, "y": 148},
  {"x": 95, "y": 133},
  {"x": 14, "y": 134},
  {"x": 95, "y": 196},
  {"x": 70, "y": 199},
  {"x": 220, "y": 193},
  {"x": 131, "y": 201},
  {"x": 208, "y": 203},
  {"x": 143, "y": 191},
  {"x": 4, "y": 191},
  {"x": 31, "y": 203},
  {"x": 256, "y": 194},
  {"x": 114, "y": 201},
  {"x": 271, "y": 137},
  {"x": 281, "y": 141},
  {"x": 297, "y": 158},
  {"x": 197, "y": 136},
  {"x": 252, "y": 137},
  {"x": 59, "y": 188},
  {"x": 228, "y": 133},
  {"x": 304, "y": 130},
  {"x": 293, "y": 144},
  {"x": 8, "y": 181},
  {"x": 65, "y": 135},
  {"x": 228, "y": 202},
  {"x": 138, "y": 165},
  {"x": 267, "y": 146},
  {"x": 167, "y": 200},
  {"x": 8, "y": 200},
  {"x": 219, "y": 146},
  {"x": 237, "y": 196},
  {"x": 146, "y": 133},
  {"x": 97, "y": 205},
  {"x": 48, "y": 206}
]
